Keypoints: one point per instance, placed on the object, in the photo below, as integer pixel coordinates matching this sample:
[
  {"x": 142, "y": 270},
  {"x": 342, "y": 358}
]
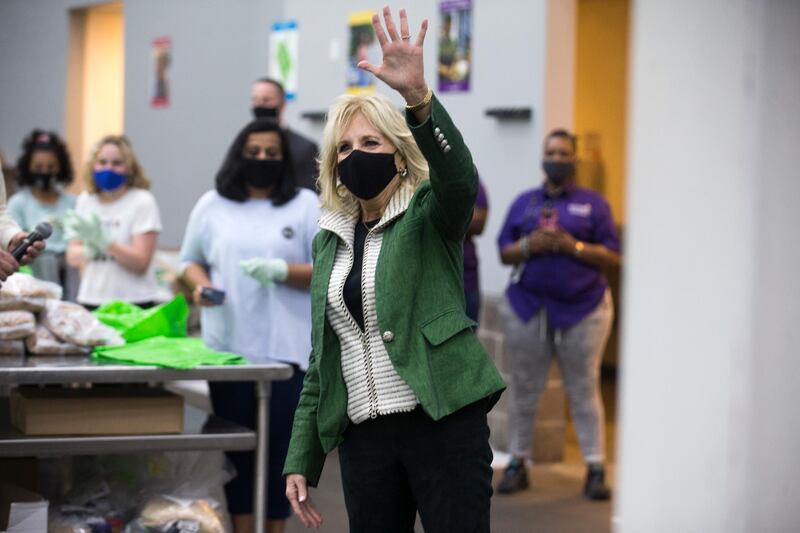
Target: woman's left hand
[{"x": 402, "y": 68}]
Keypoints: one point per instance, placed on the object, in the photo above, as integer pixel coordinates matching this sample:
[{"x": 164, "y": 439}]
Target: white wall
[
  {"x": 218, "y": 49},
  {"x": 709, "y": 422}
]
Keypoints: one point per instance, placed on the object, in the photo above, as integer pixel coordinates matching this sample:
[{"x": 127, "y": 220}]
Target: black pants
[
  {"x": 399, "y": 464},
  {"x": 236, "y": 401}
]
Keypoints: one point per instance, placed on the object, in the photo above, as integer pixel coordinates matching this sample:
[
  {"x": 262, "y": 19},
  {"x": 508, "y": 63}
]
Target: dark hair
[
  {"x": 230, "y": 182},
  {"x": 563, "y": 134},
  {"x": 278, "y": 85},
  {"x": 48, "y": 141}
]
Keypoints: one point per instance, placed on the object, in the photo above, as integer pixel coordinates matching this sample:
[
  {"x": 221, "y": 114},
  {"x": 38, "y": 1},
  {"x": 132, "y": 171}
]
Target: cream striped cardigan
[{"x": 373, "y": 385}]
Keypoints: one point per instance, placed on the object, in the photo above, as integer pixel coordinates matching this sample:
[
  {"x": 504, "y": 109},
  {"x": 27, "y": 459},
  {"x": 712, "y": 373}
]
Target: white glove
[
  {"x": 268, "y": 272},
  {"x": 90, "y": 230}
]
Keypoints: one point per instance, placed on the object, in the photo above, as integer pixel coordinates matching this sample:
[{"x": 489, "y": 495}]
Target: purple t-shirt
[
  {"x": 567, "y": 287},
  {"x": 470, "y": 254}
]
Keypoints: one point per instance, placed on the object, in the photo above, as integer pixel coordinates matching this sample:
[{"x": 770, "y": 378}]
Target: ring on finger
[{"x": 405, "y": 37}]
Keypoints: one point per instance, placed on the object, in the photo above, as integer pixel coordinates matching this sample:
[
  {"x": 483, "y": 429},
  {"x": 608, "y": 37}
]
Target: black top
[
  {"x": 304, "y": 160},
  {"x": 352, "y": 285}
]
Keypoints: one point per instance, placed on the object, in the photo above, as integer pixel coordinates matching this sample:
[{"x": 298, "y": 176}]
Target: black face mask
[
  {"x": 366, "y": 174},
  {"x": 262, "y": 173},
  {"x": 266, "y": 112},
  {"x": 558, "y": 172},
  {"x": 41, "y": 181}
]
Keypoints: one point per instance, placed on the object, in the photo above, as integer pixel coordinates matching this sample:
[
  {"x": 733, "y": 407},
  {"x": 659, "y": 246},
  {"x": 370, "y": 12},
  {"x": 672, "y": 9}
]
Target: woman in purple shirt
[{"x": 559, "y": 237}]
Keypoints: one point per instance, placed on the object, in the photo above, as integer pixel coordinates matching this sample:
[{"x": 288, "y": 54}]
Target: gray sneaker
[{"x": 515, "y": 478}]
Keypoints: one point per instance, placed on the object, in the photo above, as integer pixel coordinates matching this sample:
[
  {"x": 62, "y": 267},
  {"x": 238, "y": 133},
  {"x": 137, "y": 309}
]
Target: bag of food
[
  {"x": 166, "y": 513},
  {"x": 22, "y": 292},
  {"x": 16, "y": 324},
  {"x": 42, "y": 342},
  {"x": 72, "y": 323}
]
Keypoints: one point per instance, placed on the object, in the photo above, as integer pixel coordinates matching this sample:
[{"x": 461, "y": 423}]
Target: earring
[
  {"x": 404, "y": 173},
  {"x": 341, "y": 190}
]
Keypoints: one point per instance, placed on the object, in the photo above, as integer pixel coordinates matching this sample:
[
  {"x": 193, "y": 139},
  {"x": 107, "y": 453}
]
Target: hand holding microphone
[{"x": 24, "y": 247}]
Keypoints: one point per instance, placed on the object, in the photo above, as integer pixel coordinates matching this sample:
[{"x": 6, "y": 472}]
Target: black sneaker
[
  {"x": 596, "y": 488},
  {"x": 515, "y": 478}
]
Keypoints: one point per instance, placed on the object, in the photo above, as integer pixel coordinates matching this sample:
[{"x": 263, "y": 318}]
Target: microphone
[{"x": 42, "y": 231}]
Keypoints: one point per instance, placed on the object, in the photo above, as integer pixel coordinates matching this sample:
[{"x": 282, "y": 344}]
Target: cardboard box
[
  {"x": 118, "y": 410},
  {"x": 22, "y": 511}
]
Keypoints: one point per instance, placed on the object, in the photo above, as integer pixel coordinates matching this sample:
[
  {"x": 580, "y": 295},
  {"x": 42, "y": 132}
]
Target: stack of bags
[
  {"x": 34, "y": 319},
  {"x": 156, "y": 337}
]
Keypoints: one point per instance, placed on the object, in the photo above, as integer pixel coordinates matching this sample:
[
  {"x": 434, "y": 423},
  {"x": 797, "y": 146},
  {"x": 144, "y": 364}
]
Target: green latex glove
[
  {"x": 89, "y": 230},
  {"x": 72, "y": 224},
  {"x": 98, "y": 235},
  {"x": 268, "y": 272}
]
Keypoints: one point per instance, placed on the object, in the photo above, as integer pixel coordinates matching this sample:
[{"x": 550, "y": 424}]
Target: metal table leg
[{"x": 263, "y": 391}]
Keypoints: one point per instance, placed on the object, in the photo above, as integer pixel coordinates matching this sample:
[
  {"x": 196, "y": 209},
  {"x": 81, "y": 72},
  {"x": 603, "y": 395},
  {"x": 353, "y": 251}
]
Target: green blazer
[{"x": 419, "y": 297}]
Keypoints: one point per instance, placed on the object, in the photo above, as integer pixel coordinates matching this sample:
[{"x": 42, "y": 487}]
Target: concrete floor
[{"x": 553, "y": 504}]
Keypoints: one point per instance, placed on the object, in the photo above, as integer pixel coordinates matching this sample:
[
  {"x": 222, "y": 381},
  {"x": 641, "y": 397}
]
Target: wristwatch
[{"x": 579, "y": 246}]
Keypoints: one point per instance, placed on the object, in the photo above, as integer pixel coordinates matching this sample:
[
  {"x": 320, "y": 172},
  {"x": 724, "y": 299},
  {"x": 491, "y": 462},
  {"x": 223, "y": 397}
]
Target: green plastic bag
[
  {"x": 180, "y": 353},
  {"x": 135, "y": 324}
]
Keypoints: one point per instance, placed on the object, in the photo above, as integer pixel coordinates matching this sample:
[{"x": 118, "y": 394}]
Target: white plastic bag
[
  {"x": 23, "y": 292},
  {"x": 16, "y": 324},
  {"x": 169, "y": 514},
  {"x": 72, "y": 323},
  {"x": 43, "y": 342}
]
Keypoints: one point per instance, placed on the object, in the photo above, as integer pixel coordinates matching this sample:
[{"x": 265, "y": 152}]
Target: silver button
[
  {"x": 436, "y": 131},
  {"x": 387, "y": 336},
  {"x": 446, "y": 149},
  {"x": 444, "y": 143},
  {"x": 440, "y": 137}
]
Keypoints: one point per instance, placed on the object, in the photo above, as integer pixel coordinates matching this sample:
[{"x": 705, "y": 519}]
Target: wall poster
[
  {"x": 363, "y": 46},
  {"x": 283, "y": 56},
  {"x": 455, "y": 45},
  {"x": 161, "y": 51}
]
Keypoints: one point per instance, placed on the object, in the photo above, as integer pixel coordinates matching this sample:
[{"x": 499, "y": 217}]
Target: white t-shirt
[
  {"x": 262, "y": 324},
  {"x": 103, "y": 279}
]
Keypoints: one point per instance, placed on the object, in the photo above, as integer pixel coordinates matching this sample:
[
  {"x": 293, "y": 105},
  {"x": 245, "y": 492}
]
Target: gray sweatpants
[{"x": 579, "y": 352}]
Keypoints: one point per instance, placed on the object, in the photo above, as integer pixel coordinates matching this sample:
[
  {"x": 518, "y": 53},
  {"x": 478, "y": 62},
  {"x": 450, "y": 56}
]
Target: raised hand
[{"x": 401, "y": 68}]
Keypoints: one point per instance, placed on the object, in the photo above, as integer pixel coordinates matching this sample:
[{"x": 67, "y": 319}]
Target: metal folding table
[{"x": 215, "y": 433}]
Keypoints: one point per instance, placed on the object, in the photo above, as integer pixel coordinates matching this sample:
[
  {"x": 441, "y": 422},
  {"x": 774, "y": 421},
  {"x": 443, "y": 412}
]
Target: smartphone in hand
[{"x": 213, "y": 296}]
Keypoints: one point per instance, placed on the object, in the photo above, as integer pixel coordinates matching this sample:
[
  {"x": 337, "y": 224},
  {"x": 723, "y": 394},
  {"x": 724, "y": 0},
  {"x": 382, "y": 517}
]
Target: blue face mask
[{"x": 108, "y": 180}]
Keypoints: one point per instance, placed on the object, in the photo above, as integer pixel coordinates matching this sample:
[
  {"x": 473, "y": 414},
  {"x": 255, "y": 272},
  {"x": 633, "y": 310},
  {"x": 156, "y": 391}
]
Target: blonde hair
[
  {"x": 379, "y": 111},
  {"x": 136, "y": 176}
]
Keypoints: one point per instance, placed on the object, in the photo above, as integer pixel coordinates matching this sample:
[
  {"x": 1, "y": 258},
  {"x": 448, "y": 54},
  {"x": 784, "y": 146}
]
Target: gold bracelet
[{"x": 425, "y": 101}]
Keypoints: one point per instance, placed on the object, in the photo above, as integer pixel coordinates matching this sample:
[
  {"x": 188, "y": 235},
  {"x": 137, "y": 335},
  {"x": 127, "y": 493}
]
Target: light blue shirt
[
  {"x": 262, "y": 324},
  {"x": 27, "y": 211}
]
